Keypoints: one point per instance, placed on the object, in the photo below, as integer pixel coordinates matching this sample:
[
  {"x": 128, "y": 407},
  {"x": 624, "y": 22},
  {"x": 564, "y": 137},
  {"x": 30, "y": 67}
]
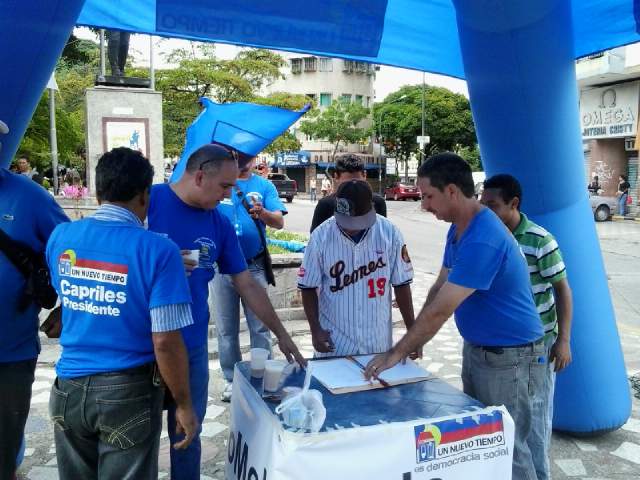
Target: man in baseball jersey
[{"x": 353, "y": 259}]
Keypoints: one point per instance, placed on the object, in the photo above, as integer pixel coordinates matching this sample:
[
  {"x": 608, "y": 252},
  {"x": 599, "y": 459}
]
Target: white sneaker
[{"x": 226, "y": 394}]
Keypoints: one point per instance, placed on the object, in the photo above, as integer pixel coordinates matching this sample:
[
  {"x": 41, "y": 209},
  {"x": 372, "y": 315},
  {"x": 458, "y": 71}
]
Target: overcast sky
[{"x": 388, "y": 79}]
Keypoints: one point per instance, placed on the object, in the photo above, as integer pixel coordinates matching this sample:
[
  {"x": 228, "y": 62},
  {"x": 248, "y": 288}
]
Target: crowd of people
[{"x": 133, "y": 311}]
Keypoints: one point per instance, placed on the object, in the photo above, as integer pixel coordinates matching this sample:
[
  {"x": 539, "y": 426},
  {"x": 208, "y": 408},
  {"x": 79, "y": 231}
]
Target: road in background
[{"x": 425, "y": 238}]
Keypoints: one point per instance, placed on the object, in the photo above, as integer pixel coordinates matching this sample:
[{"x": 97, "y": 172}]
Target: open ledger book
[{"x": 343, "y": 375}]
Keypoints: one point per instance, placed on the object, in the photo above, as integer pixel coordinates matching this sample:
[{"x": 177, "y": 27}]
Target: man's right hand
[
  {"x": 187, "y": 424},
  {"x": 290, "y": 350},
  {"x": 322, "y": 341},
  {"x": 189, "y": 264}
]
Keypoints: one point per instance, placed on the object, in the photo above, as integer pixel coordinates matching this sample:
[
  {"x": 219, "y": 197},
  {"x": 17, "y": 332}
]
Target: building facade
[
  {"x": 609, "y": 85},
  {"x": 325, "y": 80}
]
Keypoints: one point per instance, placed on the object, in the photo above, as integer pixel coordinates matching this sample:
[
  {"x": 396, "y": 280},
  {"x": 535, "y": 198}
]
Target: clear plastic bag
[{"x": 303, "y": 408}]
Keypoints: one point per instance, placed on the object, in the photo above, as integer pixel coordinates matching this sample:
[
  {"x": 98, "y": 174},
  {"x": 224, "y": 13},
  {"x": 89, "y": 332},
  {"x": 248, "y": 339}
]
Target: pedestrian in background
[
  {"x": 623, "y": 194},
  {"x": 312, "y": 189}
]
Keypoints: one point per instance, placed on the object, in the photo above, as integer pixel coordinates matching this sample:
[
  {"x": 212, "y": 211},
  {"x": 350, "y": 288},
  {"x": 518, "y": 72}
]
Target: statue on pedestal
[{"x": 117, "y": 51}]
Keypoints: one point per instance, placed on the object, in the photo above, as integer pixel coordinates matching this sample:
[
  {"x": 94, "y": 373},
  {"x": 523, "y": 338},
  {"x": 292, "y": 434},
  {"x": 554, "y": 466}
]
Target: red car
[{"x": 400, "y": 191}]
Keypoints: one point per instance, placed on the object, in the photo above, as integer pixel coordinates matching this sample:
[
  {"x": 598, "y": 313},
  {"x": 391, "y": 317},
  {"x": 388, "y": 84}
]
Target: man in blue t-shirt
[
  {"x": 28, "y": 214},
  {"x": 483, "y": 280},
  {"x": 125, "y": 298},
  {"x": 185, "y": 211},
  {"x": 265, "y": 208}
]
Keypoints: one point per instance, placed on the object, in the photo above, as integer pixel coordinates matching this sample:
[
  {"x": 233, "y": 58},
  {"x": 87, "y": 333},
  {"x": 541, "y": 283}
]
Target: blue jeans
[
  {"x": 226, "y": 303},
  {"x": 540, "y": 438},
  {"x": 185, "y": 464},
  {"x": 512, "y": 377},
  {"x": 622, "y": 204},
  {"x": 107, "y": 426}
]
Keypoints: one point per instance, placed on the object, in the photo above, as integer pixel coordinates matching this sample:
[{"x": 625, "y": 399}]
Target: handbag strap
[{"x": 16, "y": 254}]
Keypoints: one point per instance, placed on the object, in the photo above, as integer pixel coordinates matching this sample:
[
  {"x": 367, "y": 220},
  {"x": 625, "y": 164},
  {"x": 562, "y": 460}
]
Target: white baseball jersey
[{"x": 355, "y": 281}]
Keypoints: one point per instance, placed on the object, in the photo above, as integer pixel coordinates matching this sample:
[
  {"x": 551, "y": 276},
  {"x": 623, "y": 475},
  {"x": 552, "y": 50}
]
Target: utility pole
[
  {"x": 152, "y": 70},
  {"x": 422, "y": 134},
  {"x": 103, "y": 56},
  {"x": 53, "y": 137}
]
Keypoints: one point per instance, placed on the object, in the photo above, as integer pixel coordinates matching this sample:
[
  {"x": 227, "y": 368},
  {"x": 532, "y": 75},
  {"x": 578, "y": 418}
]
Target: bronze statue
[{"x": 118, "y": 48}]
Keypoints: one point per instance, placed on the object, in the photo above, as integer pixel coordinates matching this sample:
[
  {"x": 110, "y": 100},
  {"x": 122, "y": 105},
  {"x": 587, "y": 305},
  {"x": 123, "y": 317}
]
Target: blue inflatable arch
[{"x": 517, "y": 57}]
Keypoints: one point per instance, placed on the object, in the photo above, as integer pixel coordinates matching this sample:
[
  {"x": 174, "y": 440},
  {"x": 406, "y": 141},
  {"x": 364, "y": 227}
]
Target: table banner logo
[{"x": 447, "y": 438}]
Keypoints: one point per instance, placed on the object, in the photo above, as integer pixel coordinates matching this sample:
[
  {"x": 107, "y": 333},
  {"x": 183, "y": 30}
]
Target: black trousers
[{"x": 16, "y": 379}]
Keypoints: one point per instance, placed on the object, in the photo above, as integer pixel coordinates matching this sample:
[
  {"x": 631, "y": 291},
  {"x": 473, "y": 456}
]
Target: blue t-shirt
[
  {"x": 487, "y": 258},
  {"x": 193, "y": 228},
  {"x": 263, "y": 191},
  {"x": 109, "y": 274},
  {"x": 28, "y": 214}
]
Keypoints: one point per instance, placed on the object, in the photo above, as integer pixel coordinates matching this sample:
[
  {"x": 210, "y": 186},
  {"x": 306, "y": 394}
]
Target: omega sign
[{"x": 610, "y": 112}]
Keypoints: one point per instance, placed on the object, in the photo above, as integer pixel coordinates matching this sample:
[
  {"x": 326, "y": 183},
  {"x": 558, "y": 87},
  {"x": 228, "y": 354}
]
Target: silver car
[{"x": 602, "y": 207}]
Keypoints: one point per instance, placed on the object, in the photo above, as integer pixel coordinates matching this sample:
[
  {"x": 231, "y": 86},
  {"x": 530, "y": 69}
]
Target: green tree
[
  {"x": 472, "y": 156},
  {"x": 287, "y": 142},
  {"x": 199, "y": 73},
  {"x": 338, "y": 123},
  {"x": 448, "y": 121},
  {"x": 74, "y": 73}
]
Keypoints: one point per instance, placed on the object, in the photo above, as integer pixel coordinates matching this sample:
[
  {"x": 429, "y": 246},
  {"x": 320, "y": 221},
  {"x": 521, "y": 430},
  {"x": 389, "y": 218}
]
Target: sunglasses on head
[{"x": 232, "y": 152}]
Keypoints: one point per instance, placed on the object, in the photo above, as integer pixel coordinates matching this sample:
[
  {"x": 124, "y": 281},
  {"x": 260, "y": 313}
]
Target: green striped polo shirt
[{"x": 545, "y": 268}]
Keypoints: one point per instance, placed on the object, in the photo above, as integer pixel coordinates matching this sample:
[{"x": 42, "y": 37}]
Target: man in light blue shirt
[
  {"x": 265, "y": 209},
  {"x": 125, "y": 298}
]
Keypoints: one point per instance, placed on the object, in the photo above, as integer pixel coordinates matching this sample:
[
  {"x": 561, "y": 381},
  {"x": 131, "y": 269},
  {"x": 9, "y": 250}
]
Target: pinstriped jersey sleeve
[
  {"x": 310, "y": 273},
  {"x": 167, "y": 318},
  {"x": 401, "y": 267}
]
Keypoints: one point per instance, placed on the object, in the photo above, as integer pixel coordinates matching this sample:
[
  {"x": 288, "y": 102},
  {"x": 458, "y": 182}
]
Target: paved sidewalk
[{"x": 615, "y": 456}]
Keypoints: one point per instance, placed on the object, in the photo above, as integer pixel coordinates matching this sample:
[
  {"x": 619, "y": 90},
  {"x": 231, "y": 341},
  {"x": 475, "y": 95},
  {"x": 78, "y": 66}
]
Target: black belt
[
  {"x": 500, "y": 350},
  {"x": 147, "y": 368}
]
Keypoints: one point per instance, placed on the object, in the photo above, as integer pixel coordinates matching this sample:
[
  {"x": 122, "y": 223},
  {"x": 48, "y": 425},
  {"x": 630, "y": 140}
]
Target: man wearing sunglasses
[{"x": 185, "y": 211}]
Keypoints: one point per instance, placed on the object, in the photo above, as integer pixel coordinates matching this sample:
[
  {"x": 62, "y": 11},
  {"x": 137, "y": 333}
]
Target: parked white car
[{"x": 602, "y": 207}]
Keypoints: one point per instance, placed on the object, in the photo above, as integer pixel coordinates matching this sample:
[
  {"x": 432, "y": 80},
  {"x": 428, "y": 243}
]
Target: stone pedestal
[{"x": 124, "y": 117}]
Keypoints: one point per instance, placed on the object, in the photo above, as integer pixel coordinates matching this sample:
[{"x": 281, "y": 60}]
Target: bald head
[
  {"x": 210, "y": 158},
  {"x": 210, "y": 173}
]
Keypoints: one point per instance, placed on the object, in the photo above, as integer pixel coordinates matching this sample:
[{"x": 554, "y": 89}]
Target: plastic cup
[
  {"x": 258, "y": 358},
  {"x": 194, "y": 255},
  {"x": 272, "y": 374}
]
